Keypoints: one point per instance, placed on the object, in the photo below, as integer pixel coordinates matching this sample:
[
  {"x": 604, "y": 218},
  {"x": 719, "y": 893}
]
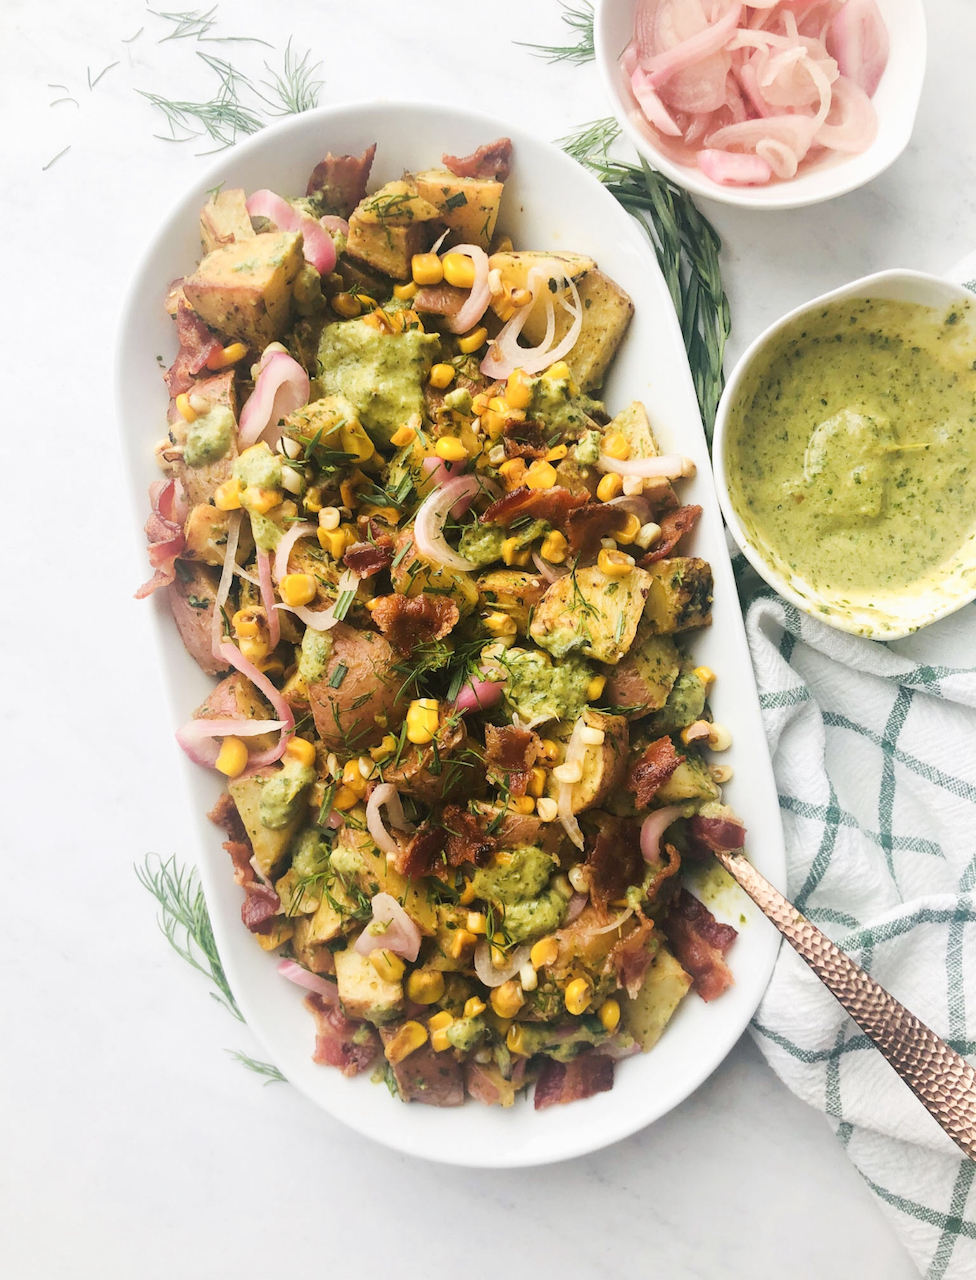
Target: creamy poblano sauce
[{"x": 851, "y": 451}]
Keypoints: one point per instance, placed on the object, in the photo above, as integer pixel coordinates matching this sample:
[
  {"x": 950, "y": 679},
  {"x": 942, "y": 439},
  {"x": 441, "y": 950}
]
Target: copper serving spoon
[{"x": 940, "y": 1078}]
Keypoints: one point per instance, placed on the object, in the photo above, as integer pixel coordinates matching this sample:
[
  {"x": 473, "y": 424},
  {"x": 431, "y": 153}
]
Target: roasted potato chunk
[
  {"x": 270, "y": 846},
  {"x": 244, "y": 289},
  {"x": 591, "y": 612},
  {"x": 607, "y": 312},
  {"x": 362, "y": 992},
  {"x": 412, "y": 574},
  {"x": 426, "y": 1076},
  {"x": 224, "y": 219},
  {"x": 360, "y": 864},
  {"x": 206, "y": 534},
  {"x": 691, "y": 781},
  {"x": 191, "y": 597},
  {"x": 389, "y": 227},
  {"x": 355, "y": 712},
  {"x": 467, "y": 206},
  {"x": 514, "y": 592},
  {"x": 200, "y": 480},
  {"x": 643, "y": 679},
  {"x": 515, "y": 266},
  {"x": 679, "y": 595},
  {"x": 604, "y": 764},
  {"x": 665, "y": 985},
  {"x": 236, "y": 697}
]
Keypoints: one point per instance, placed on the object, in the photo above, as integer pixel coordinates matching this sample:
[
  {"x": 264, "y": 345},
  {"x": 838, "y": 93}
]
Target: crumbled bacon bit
[
  {"x": 665, "y": 873},
  {"x": 409, "y": 621},
  {"x": 440, "y": 299},
  {"x": 524, "y": 440},
  {"x": 423, "y": 854},
  {"x": 197, "y": 345},
  {"x": 613, "y": 859},
  {"x": 553, "y": 505},
  {"x": 587, "y": 525},
  {"x": 224, "y": 815},
  {"x": 674, "y": 526},
  {"x": 261, "y": 904},
  {"x": 562, "y": 1082},
  {"x": 164, "y": 531},
  {"x": 509, "y": 755},
  {"x": 493, "y": 160},
  {"x": 700, "y": 943},
  {"x": 340, "y": 181},
  {"x": 339, "y": 1042},
  {"x": 467, "y": 837},
  {"x": 631, "y": 957},
  {"x": 367, "y": 558},
  {"x": 716, "y": 834},
  {"x": 652, "y": 769}
]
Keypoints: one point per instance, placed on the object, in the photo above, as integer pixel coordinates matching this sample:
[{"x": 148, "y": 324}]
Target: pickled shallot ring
[
  {"x": 317, "y": 244},
  {"x": 281, "y": 388}
]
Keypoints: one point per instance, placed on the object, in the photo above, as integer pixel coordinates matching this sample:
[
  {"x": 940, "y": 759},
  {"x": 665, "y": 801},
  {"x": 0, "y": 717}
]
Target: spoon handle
[{"x": 938, "y": 1076}]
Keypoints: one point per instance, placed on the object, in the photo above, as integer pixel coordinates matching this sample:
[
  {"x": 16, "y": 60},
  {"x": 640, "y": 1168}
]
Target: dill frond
[
  {"x": 44, "y": 168},
  {"x": 580, "y": 23},
  {"x": 259, "y": 1068},
  {"x": 91, "y": 82},
  {"x": 185, "y": 921},
  {"x": 224, "y": 118},
  {"x": 187, "y": 26},
  {"x": 590, "y": 140},
  {"x": 294, "y": 89}
]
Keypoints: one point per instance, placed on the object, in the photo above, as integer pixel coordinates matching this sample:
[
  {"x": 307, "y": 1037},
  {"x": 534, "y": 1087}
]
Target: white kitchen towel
[{"x": 874, "y": 751}]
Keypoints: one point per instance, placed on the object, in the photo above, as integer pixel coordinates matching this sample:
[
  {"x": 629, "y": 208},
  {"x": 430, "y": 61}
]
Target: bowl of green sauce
[{"x": 845, "y": 454}]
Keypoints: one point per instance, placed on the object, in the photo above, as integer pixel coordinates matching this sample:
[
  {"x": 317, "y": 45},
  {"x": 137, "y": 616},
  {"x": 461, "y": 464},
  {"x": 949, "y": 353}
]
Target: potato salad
[{"x": 450, "y": 608}]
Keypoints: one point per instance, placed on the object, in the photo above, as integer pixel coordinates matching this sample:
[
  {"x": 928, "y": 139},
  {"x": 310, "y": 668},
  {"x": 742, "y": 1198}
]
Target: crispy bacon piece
[
  {"x": 164, "y": 529},
  {"x": 562, "y": 1082},
  {"x": 674, "y": 526},
  {"x": 700, "y": 943},
  {"x": 440, "y": 299},
  {"x": 553, "y": 505},
  {"x": 493, "y": 160},
  {"x": 467, "y": 837},
  {"x": 509, "y": 755},
  {"x": 339, "y": 1042},
  {"x": 631, "y": 957},
  {"x": 666, "y": 870},
  {"x": 524, "y": 440},
  {"x": 716, "y": 834},
  {"x": 261, "y": 904},
  {"x": 613, "y": 859},
  {"x": 652, "y": 770},
  {"x": 340, "y": 181},
  {"x": 587, "y": 525},
  {"x": 366, "y": 558},
  {"x": 197, "y": 345},
  {"x": 423, "y": 853},
  {"x": 224, "y": 815},
  {"x": 409, "y": 621}
]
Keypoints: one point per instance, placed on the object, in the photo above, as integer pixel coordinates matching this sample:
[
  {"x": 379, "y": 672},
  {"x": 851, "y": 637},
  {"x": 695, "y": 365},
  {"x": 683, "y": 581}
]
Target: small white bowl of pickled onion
[{"x": 770, "y": 105}]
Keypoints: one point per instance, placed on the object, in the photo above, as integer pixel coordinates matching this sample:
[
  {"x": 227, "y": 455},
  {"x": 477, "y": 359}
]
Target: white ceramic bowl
[
  {"x": 896, "y": 617},
  {"x": 896, "y": 102},
  {"x": 550, "y": 202}
]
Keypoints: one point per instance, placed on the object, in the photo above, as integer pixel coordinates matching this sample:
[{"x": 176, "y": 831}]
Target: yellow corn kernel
[
  {"x": 403, "y": 435},
  {"x": 615, "y": 445},
  {"x": 231, "y": 758},
  {"x": 493, "y": 424},
  {"x": 544, "y": 952},
  {"x": 476, "y": 922},
  {"x": 247, "y": 623},
  {"x": 344, "y": 799},
  {"x": 615, "y": 564},
  {"x": 540, "y": 475},
  {"x": 227, "y": 496},
  {"x": 500, "y": 624},
  {"x": 610, "y": 487},
  {"x": 558, "y": 371},
  {"x": 554, "y": 547},
  {"x": 426, "y": 268},
  {"x": 512, "y": 472},
  {"x": 423, "y": 720},
  {"x": 260, "y": 500},
  {"x": 228, "y": 356},
  {"x": 440, "y": 1041},
  {"x": 450, "y": 449},
  {"x": 346, "y": 305},
  {"x": 705, "y": 674},
  {"x": 513, "y": 555},
  {"x": 472, "y": 341},
  {"x": 425, "y": 986},
  {"x": 312, "y": 501},
  {"x": 498, "y": 957},
  {"x": 516, "y": 1038},
  {"x": 595, "y": 688},
  {"x": 441, "y": 376},
  {"x": 255, "y": 650},
  {"x": 501, "y": 859},
  {"x": 401, "y": 320},
  {"x": 479, "y": 404},
  {"x": 458, "y": 270},
  {"x": 335, "y": 541},
  {"x": 352, "y": 777},
  {"x": 550, "y": 750},
  {"x": 609, "y": 1015},
  {"x": 297, "y": 589},
  {"x": 388, "y": 965},
  {"x": 474, "y": 1007},
  {"x": 546, "y": 809},
  {"x": 507, "y": 999},
  {"x": 302, "y": 750},
  {"x": 461, "y": 943},
  {"x": 578, "y": 995},
  {"x": 384, "y": 749},
  {"x": 405, "y": 291},
  {"x": 554, "y": 454},
  {"x": 537, "y": 781},
  {"x": 522, "y": 804},
  {"x": 629, "y": 532},
  {"x": 405, "y": 1041},
  {"x": 187, "y": 411},
  {"x": 440, "y": 1020},
  {"x": 518, "y": 389}
]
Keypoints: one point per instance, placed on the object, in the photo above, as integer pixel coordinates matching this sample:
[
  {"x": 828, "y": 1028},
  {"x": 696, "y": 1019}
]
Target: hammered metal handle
[{"x": 938, "y": 1076}]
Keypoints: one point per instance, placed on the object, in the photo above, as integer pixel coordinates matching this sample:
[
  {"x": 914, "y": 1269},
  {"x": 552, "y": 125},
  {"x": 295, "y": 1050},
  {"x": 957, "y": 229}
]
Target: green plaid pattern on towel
[{"x": 874, "y": 753}]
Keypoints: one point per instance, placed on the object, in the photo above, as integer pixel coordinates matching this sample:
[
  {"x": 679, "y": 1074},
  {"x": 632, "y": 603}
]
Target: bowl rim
[
  {"x": 775, "y": 196},
  {"x": 862, "y": 286},
  {"x": 623, "y": 1124}
]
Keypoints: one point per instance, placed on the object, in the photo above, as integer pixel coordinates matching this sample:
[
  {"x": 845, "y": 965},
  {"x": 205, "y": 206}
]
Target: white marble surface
[{"x": 130, "y": 1143}]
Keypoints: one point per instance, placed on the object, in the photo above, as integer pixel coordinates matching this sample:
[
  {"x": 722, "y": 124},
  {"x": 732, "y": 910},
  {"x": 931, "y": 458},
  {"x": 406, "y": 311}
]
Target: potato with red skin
[
  {"x": 426, "y": 1076},
  {"x": 357, "y": 712},
  {"x": 643, "y": 679},
  {"x": 191, "y": 596},
  {"x": 237, "y": 698}
]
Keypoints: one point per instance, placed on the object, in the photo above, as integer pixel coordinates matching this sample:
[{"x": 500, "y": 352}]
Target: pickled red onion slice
[{"x": 316, "y": 242}]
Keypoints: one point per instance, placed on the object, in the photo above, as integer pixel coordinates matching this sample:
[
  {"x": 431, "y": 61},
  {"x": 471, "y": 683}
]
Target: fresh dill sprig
[
  {"x": 189, "y": 25},
  {"x": 223, "y": 119},
  {"x": 580, "y": 22},
  {"x": 591, "y": 140},
  {"x": 185, "y": 922},
  {"x": 259, "y": 1068},
  {"x": 45, "y": 167},
  {"x": 294, "y": 89},
  {"x": 91, "y": 82}
]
